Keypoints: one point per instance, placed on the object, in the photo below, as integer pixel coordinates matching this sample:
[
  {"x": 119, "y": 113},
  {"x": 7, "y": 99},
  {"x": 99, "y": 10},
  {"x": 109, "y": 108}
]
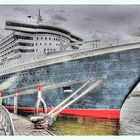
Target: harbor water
[{"x": 129, "y": 123}]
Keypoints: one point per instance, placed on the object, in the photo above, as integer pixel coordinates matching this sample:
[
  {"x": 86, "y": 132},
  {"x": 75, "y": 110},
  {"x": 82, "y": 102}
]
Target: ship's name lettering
[{"x": 82, "y": 54}]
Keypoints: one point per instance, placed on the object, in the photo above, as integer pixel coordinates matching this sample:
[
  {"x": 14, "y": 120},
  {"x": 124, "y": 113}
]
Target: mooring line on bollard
[
  {"x": 47, "y": 120},
  {"x": 81, "y": 95}
]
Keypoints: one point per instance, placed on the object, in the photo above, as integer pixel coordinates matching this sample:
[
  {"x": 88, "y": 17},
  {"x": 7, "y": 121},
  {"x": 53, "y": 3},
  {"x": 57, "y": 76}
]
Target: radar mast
[{"x": 39, "y": 18}]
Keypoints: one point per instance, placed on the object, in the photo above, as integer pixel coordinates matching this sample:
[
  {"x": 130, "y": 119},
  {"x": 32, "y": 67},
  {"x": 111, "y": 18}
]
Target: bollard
[
  {"x": 16, "y": 101},
  {"x": 40, "y": 100},
  {"x": 0, "y": 97}
]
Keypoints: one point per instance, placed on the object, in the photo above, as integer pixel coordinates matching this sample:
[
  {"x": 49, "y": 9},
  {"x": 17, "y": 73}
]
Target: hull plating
[{"x": 123, "y": 76}]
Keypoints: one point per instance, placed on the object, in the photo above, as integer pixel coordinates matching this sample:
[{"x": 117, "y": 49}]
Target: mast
[{"x": 39, "y": 18}]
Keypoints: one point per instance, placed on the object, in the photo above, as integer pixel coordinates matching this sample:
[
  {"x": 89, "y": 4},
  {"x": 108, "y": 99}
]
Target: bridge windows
[
  {"x": 23, "y": 37},
  {"x": 23, "y": 44}
]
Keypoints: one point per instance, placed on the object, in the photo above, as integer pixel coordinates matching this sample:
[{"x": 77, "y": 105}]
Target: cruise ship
[{"x": 38, "y": 53}]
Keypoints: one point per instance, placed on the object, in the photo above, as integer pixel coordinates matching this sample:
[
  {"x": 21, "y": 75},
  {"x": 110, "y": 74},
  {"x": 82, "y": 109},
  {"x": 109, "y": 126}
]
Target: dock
[
  {"x": 14, "y": 124},
  {"x": 1, "y": 130},
  {"x": 26, "y": 128}
]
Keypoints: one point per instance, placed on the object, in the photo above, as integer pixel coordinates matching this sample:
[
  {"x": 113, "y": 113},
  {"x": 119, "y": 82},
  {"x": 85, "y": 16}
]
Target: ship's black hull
[{"x": 123, "y": 76}]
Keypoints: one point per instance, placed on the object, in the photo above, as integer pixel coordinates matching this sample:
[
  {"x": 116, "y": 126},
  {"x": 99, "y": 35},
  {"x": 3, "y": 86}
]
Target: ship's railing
[{"x": 6, "y": 121}]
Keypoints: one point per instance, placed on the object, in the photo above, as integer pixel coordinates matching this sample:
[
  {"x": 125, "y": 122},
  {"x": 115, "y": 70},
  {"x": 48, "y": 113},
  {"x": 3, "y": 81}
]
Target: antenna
[{"x": 39, "y": 18}]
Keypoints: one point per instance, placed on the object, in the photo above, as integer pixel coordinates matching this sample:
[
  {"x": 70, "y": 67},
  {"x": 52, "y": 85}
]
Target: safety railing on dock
[{"x": 6, "y": 121}]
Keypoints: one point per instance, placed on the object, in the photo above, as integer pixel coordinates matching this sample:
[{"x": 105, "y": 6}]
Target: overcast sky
[{"x": 107, "y": 23}]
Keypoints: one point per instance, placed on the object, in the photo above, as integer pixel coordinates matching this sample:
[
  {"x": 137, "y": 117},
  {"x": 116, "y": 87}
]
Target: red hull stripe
[{"x": 94, "y": 113}]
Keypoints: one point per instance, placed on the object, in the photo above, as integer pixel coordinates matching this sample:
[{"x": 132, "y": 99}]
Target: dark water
[{"x": 129, "y": 123}]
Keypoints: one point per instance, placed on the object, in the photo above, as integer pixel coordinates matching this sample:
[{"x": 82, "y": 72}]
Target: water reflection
[
  {"x": 86, "y": 126},
  {"x": 129, "y": 123}
]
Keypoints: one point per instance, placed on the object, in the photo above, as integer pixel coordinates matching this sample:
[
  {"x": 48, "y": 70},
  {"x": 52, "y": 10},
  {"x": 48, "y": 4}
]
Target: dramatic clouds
[{"x": 104, "y": 22}]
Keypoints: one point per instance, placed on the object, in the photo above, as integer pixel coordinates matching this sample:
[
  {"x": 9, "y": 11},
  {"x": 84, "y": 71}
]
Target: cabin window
[
  {"x": 37, "y": 38},
  {"x": 45, "y": 38},
  {"x": 50, "y": 43},
  {"x": 49, "y": 38},
  {"x": 44, "y": 50},
  {"x": 41, "y": 38}
]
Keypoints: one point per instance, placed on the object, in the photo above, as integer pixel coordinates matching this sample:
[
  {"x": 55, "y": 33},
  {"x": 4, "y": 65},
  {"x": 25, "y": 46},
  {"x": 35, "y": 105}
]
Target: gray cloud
[
  {"x": 60, "y": 17},
  {"x": 107, "y": 22}
]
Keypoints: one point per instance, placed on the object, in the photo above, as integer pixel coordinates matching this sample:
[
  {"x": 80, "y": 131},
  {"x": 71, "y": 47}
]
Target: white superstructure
[{"x": 30, "y": 42}]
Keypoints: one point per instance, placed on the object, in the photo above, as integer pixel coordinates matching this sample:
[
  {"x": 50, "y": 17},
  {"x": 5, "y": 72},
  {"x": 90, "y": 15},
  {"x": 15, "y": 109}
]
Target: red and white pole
[
  {"x": 16, "y": 101},
  {"x": 39, "y": 90},
  {"x": 17, "y": 92}
]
